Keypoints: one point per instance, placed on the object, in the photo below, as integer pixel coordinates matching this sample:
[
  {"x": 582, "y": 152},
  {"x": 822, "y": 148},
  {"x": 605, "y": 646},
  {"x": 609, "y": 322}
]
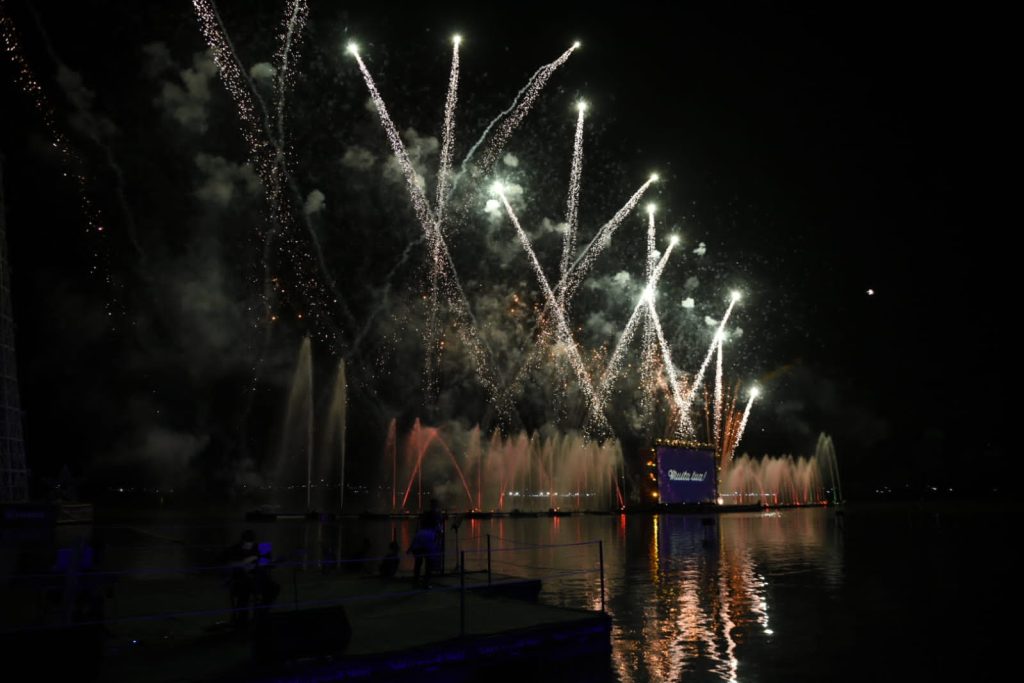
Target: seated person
[{"x": 249, "y": 578}]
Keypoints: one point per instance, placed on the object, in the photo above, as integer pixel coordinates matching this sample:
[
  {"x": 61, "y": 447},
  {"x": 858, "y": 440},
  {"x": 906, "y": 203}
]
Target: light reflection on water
[
  {"x": 701, "y": 597},
  {"x": 690, "y": 596}
]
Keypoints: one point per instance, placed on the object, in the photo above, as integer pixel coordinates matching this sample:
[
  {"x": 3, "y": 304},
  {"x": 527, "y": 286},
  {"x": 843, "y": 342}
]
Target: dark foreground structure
[{"x": 330, "y": 623}]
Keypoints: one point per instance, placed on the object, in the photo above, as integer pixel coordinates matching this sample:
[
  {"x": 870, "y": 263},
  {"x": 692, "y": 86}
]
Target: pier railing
[{"x": 473, "y": 582}]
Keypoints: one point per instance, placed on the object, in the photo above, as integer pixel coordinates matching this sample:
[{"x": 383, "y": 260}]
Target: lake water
[{"x": 869, "y": 592}]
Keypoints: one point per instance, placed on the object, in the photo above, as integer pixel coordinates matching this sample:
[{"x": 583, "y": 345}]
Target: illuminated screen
[{"x": 686, "y": 475}]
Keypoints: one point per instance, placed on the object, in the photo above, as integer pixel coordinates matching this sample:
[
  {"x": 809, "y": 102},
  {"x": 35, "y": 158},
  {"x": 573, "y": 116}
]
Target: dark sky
[{"x": 819, "y": 153}]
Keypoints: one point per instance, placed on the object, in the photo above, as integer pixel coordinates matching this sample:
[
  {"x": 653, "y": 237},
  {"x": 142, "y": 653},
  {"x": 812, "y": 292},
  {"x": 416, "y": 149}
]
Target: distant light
[
  {"x": 736, "y": 296},
  {"x": 755, "y": 392},
  {"x": 654, "y": 177},
  {"x": 871, "y": 292},
  {"x": 673, "y": 240},
  {"x": 721, "y": 501},
  {"x": 353, "y": 48},
  {"x": 456, "y": 39},
  {"x": 581, "y": 105}
]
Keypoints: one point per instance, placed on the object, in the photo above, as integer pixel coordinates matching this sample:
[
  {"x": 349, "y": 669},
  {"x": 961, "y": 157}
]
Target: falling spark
[
  {"x": 95, "y": 223},
  {"x": 286, "y": 54}
]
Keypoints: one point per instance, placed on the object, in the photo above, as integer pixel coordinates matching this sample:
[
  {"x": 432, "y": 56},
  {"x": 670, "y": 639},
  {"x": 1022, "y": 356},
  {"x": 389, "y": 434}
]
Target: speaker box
[{"x": 284, "y": 636}]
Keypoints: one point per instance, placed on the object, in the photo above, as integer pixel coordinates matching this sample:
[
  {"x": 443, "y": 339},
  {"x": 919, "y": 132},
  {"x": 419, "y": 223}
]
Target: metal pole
[
  {"x": 488, "y": 559},
  {"x": 600, "y": 559},
  {"x": 444, "y": 545},
  {"x": 462, "y": 593}
]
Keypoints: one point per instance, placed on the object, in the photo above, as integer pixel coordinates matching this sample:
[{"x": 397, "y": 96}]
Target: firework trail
[
  {"x": 730, "y": 421},
  {"x": 239, "y": 88},
  {"x": 433, "y": 348},
  {"x": 585, "y": 261},
  {"x": 253, "y": 127},
  {"x": 437, "y": 244},
  {"x": 648, "y": 354},
  {"x": 572, "y": 207},
  {"x": 95, "y": 224},
  {"x": 448, "y": 132},
  {"x": 565, "y": 334},
  {"x": 91, "y": 126},
  {"x": 293, "y": 27},
  {"x": 718, "y": 398},
  {"x": 419, "y": 200},
  {"x": 743, "y": 421},
  {"x": 698, "y": 379},
  {"x": 565, "y": 295},
  {"x": 641, "y": 310},
  {"x": 267, "y": 153},
  {"x": 508, "y": 120},
  {"x": 685, "y": 426},
  {"x": 295, "y": 21}
]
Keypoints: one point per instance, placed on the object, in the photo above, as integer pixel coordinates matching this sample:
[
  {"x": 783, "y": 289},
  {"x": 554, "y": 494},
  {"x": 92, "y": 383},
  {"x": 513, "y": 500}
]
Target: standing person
[
  {"x": 426, "y": 544},
  {"x": 424, "y": 547}
]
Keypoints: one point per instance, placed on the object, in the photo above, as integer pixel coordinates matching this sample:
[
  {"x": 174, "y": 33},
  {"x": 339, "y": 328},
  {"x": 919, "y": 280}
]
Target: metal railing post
[
  {"x": 488, "y": 559},
  {"x": 462, "y": 593},
  {"x": 600, "y": 559},
  {"x": 444, "y": 546}
]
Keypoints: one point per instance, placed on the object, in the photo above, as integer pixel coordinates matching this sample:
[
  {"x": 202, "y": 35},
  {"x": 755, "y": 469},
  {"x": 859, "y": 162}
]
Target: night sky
[{"x": 817, "y": 155}]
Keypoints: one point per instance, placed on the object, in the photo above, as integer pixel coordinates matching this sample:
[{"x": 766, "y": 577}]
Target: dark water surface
[{"x": 859, "y": 593}]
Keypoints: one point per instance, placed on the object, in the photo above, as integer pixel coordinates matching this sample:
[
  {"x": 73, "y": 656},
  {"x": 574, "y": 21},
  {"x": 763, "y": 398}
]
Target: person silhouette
[{"x": 249, "y": 578}]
